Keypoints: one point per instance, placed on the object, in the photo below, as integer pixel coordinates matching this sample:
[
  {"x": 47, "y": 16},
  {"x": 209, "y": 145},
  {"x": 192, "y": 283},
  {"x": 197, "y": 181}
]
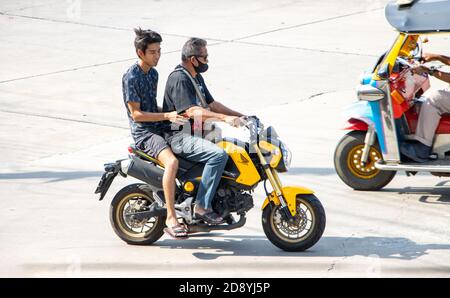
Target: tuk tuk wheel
[{"x": 347, "y": 162}]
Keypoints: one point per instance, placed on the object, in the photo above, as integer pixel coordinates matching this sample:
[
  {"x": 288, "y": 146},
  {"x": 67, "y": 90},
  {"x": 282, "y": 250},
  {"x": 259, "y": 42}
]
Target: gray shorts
[{"x": 152, "y": 144}]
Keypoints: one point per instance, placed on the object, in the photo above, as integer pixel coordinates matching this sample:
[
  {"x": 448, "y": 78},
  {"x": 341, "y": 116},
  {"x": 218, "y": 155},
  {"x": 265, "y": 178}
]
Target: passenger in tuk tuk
[{"x": 437, "y": 103}]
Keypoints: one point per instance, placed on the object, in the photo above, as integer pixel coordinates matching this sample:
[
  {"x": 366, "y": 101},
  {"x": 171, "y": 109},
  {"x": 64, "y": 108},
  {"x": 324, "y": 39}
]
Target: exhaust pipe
[
  {"x": 143, "y": 170},
  {"x": 207, "y": 228}
]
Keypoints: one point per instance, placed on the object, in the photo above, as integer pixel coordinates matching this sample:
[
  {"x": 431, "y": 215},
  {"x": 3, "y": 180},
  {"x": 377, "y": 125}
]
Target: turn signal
[{"x": 189, "y": 186}]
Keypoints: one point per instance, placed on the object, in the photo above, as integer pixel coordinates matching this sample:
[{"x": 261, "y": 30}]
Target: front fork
[
  {"x": 274, "y": 179},
  {"x": 368, "y": 142}
]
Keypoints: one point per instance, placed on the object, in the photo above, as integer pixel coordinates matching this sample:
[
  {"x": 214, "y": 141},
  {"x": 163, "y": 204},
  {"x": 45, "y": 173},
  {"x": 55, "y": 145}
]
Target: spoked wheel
[
  {"x": 300, "y": 233},
  {"x": 130, "y": 227},
  {"x": 348, "y": 165}
]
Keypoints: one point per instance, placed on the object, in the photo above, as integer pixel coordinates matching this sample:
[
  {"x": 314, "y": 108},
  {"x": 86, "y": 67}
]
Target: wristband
[{"x": 431, "y": 71}]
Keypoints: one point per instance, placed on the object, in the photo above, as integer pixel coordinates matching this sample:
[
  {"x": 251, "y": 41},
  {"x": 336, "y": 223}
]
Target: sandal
[
  {"x": 210, "y": 217},
  {"x": 178, "y": 232}
]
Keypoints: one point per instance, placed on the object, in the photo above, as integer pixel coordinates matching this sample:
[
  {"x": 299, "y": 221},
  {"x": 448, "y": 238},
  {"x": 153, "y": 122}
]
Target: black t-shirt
[{"x": 180, "y": 95}]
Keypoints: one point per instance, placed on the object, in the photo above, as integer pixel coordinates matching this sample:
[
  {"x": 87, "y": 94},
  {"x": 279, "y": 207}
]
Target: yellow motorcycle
[{"x": 293, "y": 218}]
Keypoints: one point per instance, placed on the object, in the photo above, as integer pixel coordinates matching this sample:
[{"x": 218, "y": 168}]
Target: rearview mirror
[
  {"x": 383, "y": 71},
  {"x": 369, "y": 93}
]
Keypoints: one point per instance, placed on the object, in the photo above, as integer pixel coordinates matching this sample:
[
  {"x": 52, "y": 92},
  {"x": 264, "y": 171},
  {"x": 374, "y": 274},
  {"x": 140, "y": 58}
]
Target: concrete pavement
[{"x": 293, "y": 63}]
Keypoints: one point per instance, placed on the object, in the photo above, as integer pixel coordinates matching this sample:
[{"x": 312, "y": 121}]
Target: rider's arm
[
  {"x": 183, "y": 96},
  {"x": 140, "y": 116},
  {"x": 197, "y": 111},
  {"x": 133, "y": 101},
  {"x": 443, "y": 76},
  {"x": 218, "y": 107},
  {"x": 436, "y": 57},
  {"x": 443, "y": 59}
]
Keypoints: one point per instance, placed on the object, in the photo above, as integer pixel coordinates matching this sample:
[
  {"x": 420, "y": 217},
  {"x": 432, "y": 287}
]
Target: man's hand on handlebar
[
  {"x": 239, "y": 121},
  {"x": 420, "y": 69},
  {"x": 428, "y": 57},
  {"x": 232, "y": 120},
  {"x": 242, "y": 121}
]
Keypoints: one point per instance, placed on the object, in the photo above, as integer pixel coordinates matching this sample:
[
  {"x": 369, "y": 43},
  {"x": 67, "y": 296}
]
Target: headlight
[
  {"x": 278, "y": 156},
  {"x": 287, "y": 155}
]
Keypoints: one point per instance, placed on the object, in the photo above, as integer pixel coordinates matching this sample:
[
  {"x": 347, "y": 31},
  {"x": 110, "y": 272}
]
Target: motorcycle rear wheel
[
  {"x": 127, "y": 201},
  {"x": 303, "y": 232}
]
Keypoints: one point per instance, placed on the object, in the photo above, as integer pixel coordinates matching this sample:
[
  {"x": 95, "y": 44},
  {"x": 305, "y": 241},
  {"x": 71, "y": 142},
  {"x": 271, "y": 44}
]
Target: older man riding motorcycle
[{"x": 187, "y": 94}]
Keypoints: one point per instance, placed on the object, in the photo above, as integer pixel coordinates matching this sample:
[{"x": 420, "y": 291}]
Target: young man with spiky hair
[{"x": 139, "y": 86}]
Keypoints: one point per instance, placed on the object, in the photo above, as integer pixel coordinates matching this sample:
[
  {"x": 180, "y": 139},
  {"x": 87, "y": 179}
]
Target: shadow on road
[
  {"x": 53, "y": 176},
  {"x": 430, "y": 195},
  {"x": 237, "y": 245}
]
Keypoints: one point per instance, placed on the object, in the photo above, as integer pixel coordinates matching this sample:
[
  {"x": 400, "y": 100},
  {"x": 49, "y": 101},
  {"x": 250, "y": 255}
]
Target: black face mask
[{"x": 202, "y": 67}]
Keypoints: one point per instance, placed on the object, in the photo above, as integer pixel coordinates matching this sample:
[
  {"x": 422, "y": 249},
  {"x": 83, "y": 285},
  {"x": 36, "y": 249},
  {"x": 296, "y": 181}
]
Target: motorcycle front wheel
[
  {"x": 130, "y": 228},
  {"x": 297, "y": 234}
]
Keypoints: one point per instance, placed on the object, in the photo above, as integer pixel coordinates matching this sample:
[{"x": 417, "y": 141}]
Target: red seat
[{"x": 444, "y": 124}]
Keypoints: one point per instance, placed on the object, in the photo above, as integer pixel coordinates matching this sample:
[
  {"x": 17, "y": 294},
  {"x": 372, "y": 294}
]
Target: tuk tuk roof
[{"x": 419, "y": 16}]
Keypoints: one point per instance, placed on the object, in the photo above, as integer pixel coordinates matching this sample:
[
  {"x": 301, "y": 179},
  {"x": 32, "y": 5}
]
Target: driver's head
[{"x": 195, "y": 53}]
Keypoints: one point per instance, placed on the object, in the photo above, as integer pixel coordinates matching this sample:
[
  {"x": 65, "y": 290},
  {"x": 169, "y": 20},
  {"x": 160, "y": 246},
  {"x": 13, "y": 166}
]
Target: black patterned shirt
[{"x": 140, "y": 87}]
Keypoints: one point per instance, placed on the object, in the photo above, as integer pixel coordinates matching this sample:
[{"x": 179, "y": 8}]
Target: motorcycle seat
[{"x": 182, "y": 163}]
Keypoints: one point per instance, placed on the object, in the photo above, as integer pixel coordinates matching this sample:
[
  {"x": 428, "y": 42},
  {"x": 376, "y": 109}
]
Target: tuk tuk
[{"x": 388, "y": 106}]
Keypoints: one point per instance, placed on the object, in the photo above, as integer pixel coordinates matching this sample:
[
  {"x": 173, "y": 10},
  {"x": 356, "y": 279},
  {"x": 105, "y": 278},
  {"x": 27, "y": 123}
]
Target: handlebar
[
  {"x": 410, "y": 65},
  {"x": 405, "y": 62},
  {"x": 252, "y": 120},
  {"x": 255, "y": 127}
]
